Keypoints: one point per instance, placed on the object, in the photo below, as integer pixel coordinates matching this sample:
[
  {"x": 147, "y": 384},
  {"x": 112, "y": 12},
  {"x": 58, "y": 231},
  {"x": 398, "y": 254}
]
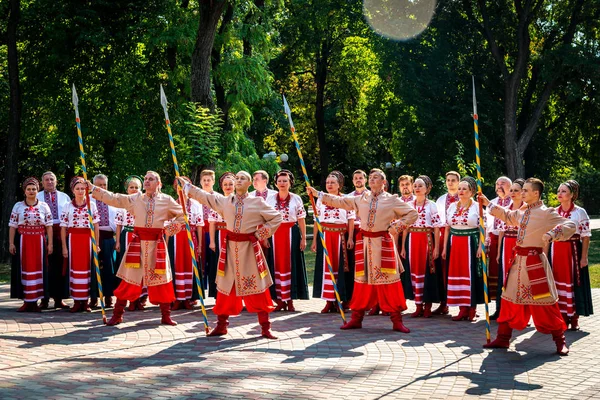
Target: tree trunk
[
  {"x": 11, "y": 171},
  {"x": 220, "y": 94},
  {"x": 210, "y": 13},
  {"x": 321, "y": 81},
  {"x": 513, "y": 155}
]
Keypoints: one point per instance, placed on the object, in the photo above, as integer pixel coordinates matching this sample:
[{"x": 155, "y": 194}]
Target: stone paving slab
[{"x": 58, "y": 355}]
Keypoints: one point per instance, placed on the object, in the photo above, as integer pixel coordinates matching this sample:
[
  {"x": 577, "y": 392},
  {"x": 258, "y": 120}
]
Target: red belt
[
  {"x": 221, "y": 226},
  {"x": 79, "y": 231},
  {"x": 148, "y": 233},
  {"x": 241, "y": 237},
  {"x": 32, "y": 230},
  {"x": 527, "y": 251},
  {"x": 374, "y": 234},
  {"x": 334, "y": 227}
]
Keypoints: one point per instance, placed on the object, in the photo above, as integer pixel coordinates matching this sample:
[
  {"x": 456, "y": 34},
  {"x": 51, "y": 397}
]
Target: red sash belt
[
  {"x": 133, "y": 259},
  {"x": 511, "y": 234},
  {"x": 388, "y": 255},
  {"x": 242, "y": 237},
  {"x": 79, "y": 231},
  {"x": 535, "y": 270},
  {"x": 221, "y": 226},
  {"x": 31, "y": 230}
]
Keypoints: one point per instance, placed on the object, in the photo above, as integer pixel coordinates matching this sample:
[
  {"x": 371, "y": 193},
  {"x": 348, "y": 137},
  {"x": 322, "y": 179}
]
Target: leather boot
[
  {"x": 566, "y": 318},
  {"x": 143, "y": 299},
  {"x": 133, "y": 305},
  {"x": 221, "y": 328},
  {"x": 177, "y": 305},
  {"x": 58, "y": 303},
  {"x": 502, "y": 340},
  {"x": 472, "y": 314},
  {"x": 374, "y": 311},
  {"x": 263, "y": 320},
  {"x": 356, "y": 320},
  {"x": 187, "y": 304},
  {"x": 35, "y": 308},
  {"x": 561, "y": 344},
  {"x": 427, "y": 311},
  {"x": 85, "y": 306},
  {"x": 44, "y": 303},
  {"x": 346, "y": 305},
  {"x": 280, "y": 305},
  {"x": 93, "y": 304},
  {"x": 290, "y": 306},
  {"x": 462, "y": 315},
  {"x": 77, "y": 306},
  {"x": 398, "y": 326},
  {"x": 328, "y": 307},
  {"x": 418, "y": 312},
  {"x": 24, "y": 307},
  {"x": 442, "y": 309},
  {"x": 574, "y": 323},
  {"x": 165, "y": 310},
  {"x": 140, "y": 304},
  {"x": 118, "y": 312}
]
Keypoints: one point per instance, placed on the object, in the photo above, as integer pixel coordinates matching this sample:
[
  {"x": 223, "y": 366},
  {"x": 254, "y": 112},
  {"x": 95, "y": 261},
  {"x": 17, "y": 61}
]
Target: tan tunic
[
  {"x": 532, "y": 227},
  {"x": 376, "y": 213},
  {"x": 242, "y": 214},
  {"x": 148, "y": 212}
]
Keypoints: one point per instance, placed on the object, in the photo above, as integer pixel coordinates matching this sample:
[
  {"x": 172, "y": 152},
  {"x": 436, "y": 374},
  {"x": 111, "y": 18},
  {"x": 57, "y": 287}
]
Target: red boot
[
  {"x": 187, "y": 304},
  {"x": 85, "y": 306},
  {"x": 374, "y": 311},
  {"x": 77, "y": 306},
  {"x": 58, "y": 303},
  {"x": 118, "y": 312},
  {"x": 133, "y": 305},
  {"x": 574, "y": 323},
  {"x": 221, "y": 328},
  {"x": 427, "y": 311},
  {"x": 263, "y": 320},
  {"x": 418, "y": 312},
  {"x": 24, "y": 307},
  {"x": 502, "y": 340},
  {"x": 290, "y": 306},
  {"x": 472, "y": 314},
  {"x": 143, "y": 299},
  {"x": 165, "y": 310},
  {"x": 356, "y": 320},
  {"x": 35, "y": 307},
  {"x": 329, "y": 307},
  {"x": 177, "y": 305},
  {"x": 441, "y": 310},
  {"x": 396, "y": 318},
  {"x": 561, "y": 344},
  {"x": 280, "y": 305},
  {"x": 462, "y": 315}
]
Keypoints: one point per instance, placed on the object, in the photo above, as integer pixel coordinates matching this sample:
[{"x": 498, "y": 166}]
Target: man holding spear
[
  {"x": 378, "y": 267},
  {"x": 530, "y": 290},
  {"x": 242, "y": 272},
  {"x": 146, "y": 259}
]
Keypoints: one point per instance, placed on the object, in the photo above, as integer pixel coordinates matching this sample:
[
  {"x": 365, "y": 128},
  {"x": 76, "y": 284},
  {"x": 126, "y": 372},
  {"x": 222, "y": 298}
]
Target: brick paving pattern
[{"x": 56, "y": 354}]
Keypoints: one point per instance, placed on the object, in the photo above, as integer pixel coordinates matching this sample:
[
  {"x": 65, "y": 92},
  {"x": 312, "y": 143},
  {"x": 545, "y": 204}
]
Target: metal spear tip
[
  {"x": 75, "y": 98},
  {"x": 474, "y": 98},
  {"x": 286, "y": 106},
  {"x": 163, "y": 97}
]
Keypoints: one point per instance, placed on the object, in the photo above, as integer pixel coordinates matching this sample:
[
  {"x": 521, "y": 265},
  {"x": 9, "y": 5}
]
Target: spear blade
[
  {"x": 163, "y": 102},
  {"x": 288, "y": 111}
]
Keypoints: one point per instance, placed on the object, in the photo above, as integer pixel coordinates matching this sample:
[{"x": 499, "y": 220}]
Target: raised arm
[
  {"x": 115, "y": 199},
  {"x": 212, "y": 200}
]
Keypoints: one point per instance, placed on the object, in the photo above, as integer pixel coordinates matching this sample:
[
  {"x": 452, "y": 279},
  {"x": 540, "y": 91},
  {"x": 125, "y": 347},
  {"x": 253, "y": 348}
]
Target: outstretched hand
[
  {"x": 312, "y": 191},
  {"x": 484, "y": 200}
]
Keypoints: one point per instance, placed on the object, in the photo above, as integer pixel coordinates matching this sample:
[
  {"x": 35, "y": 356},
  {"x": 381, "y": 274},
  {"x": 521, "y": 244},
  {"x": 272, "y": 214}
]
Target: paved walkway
[{"x": 60, "y": 355}]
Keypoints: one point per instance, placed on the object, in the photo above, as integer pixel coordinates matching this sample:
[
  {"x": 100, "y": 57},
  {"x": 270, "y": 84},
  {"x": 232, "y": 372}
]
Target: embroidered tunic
[
  {"x": 496, "y": 225},
  {"x": 56, "y": 201},
  {"x": 376, "y": 211},
  {"x": 533, "y": 221},
  {"x": 242, "y": 214},
  {"x": 292, "y": 211},
  {"x": 265, "y": 194},
  {"x": 77, "y": 217},
  {"x": 148, "y": 212},
  {"x": 25, "y": 215},
  {"x": 443, "y": 203},
  {"x": 356, "y": 217}
]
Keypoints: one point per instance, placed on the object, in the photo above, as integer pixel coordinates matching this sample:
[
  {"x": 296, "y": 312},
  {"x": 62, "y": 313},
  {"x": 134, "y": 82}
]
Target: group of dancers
[{"x": 383, "y": 249}]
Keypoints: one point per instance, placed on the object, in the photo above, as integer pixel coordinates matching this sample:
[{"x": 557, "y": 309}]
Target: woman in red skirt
[
  {"x": 338, "y": 229},
  {"x": 463, "y": 251},
  {"x": 218, "y": 231},
  {"x": 286, "y": 258},
  {"x": 420, "y": 249},
  {"x": 77, "y": 243},
  {"x": 507, "y": 240},
  {"x": 30, "y": 223},
  {"x": 569, "y": 259}
]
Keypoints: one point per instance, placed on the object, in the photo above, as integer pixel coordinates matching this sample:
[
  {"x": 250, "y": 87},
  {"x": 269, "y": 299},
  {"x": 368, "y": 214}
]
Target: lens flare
[{"x": 399, "y": 19}]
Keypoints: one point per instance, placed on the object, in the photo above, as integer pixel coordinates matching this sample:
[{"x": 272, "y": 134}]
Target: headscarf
[
  {"x": 471, "y": 182},
  {"x": 130, "y": 178},
  {"x": 31, "y": 181},
  {"x": 428, "y": 183},
  {"x": 75, "y": 181},
  {"x": 285, "y": 172},
  {"x": 226, "y": 175},
  {"x": 520, "y": 182},
  {"x": 573, "y": 186},
  {"x": 339, "y": 176}
]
